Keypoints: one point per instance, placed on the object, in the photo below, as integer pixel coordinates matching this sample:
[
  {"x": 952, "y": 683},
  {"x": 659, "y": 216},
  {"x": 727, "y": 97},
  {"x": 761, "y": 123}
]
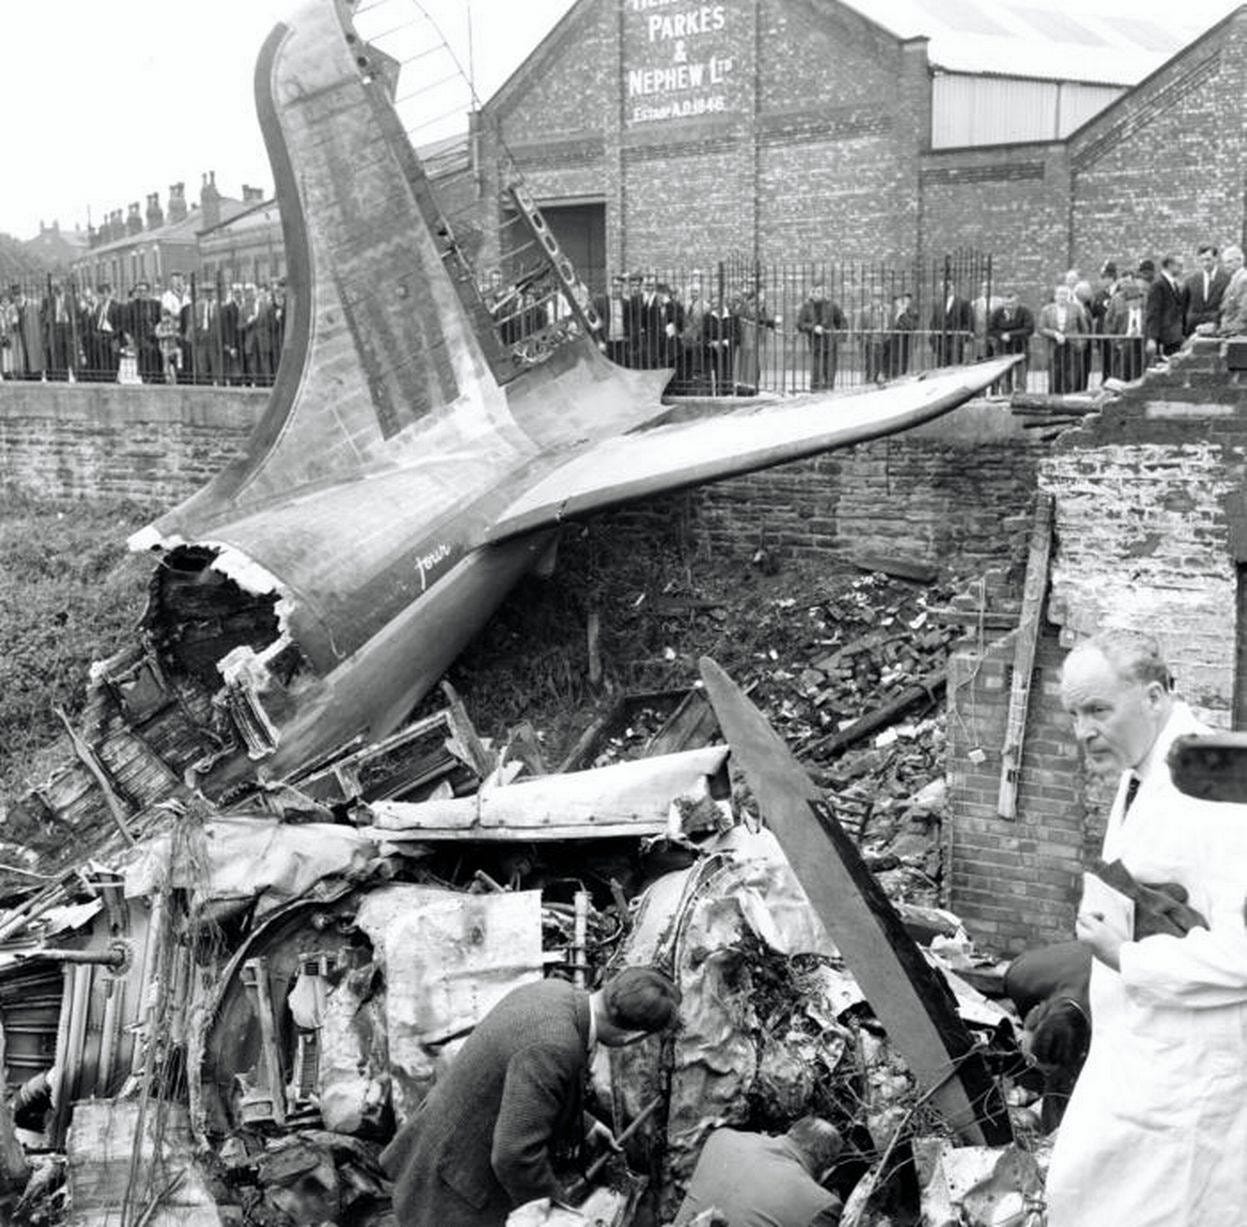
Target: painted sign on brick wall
[{"x": 681, "y": 60}]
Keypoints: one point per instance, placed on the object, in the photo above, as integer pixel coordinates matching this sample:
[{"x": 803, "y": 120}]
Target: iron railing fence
[
  {"x": 191, "y": 330},
  {"x": 741, "y": 327},
  {"x": 736, "y": 327}
]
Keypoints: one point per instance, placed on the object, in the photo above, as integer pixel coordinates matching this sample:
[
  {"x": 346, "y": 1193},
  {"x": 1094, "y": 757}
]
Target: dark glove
[{"x": 1159, "y": 908}]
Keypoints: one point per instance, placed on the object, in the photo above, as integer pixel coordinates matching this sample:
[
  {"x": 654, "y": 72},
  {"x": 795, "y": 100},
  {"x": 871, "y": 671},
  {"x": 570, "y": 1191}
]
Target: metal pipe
[
  {"x": 110, "y": 1034},
  {"x": 594, "y": 1168},
  {"x": 114, "y": 957}
]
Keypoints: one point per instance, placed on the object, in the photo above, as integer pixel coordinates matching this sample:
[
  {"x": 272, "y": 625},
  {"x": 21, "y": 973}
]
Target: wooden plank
[
  {"x": 591, "y": 739},
  {"x": 917, "y": 569},
  {"x": 989, "y": 619},
  {"x": 1033, "y": 593},
  {"x": 691, "y": 725},
  {"x": 908, "y": 996},
  {"x": 924, "y": 688},
  {"x": 466, "y": 739}
]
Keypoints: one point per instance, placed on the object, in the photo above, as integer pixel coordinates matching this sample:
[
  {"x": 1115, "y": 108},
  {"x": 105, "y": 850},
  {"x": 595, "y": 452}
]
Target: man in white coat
[{"x": 1155, "y": 1134}]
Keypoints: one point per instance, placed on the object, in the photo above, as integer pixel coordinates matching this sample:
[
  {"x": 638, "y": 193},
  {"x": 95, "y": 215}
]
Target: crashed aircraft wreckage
[
  {"x": 409, "y": 469},
  {"x": 237, "y": 809}
]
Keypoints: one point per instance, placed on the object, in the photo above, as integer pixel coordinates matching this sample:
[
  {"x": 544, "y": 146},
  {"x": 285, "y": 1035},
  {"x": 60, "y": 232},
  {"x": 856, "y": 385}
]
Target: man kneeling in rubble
[
  {"x": 485, "y": 1140},
  {"x": 1155, "y": 1134},
  {"x": 754, "y": 1180}
]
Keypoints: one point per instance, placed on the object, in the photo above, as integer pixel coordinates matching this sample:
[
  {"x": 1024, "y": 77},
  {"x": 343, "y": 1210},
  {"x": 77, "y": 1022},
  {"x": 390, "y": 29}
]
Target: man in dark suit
[
  {"x": 822, "y": 321},
  {"x": 487, "y": 1138},
  {"x": 952, "y": 327},
  {"x": 902, "y": 324},
  {"x": 754, "y": 1178},
  {"x": 1123, "y": 323},
  {"x": 58, "y": 316},
  {"x": 648, "y": 332},
  {"x": 142, "y": 316},
  {"x": 206, "y": 343},
  {"x": 104, "y": 327},
  {"x": 231, "y": 326},
  {"x": 1009, "y": 331},
  {"x": 1204, "y": 290},
  {"x": 1166, "y": 309}
]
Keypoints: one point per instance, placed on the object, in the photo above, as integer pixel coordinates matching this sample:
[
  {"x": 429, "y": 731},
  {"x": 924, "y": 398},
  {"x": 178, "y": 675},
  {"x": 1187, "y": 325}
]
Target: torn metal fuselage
[{"x": 409, "y": 469}]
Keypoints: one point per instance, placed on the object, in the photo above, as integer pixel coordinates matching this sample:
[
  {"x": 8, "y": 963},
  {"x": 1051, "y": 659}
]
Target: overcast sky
[{"x": 104, "y": 103}]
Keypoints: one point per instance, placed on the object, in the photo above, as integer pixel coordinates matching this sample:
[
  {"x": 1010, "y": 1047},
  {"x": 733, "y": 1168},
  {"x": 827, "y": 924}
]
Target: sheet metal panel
[{"x": 981, "y": 110}]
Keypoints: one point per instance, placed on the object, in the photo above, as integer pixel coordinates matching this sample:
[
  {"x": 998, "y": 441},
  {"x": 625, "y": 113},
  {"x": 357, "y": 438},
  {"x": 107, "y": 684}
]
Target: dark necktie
[{"x": 1132, "y": 791}]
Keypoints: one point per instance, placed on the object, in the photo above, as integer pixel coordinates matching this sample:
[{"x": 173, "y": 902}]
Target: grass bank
[{"x": 69, "y": 592}]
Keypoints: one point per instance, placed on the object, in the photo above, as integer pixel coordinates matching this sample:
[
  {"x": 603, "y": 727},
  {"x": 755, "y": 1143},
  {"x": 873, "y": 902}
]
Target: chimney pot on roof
[
  {"x": 155, "y": 214},
  {"x": 210, "y": 202},
  {"x": 177, "y": 202}
]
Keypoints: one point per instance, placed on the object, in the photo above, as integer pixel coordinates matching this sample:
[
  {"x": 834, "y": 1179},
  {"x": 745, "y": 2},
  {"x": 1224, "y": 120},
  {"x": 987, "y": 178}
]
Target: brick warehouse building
[{"x": 659, "y": 133}]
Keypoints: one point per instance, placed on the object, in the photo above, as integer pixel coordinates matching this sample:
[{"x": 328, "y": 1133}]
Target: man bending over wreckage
[
  {"x": 487, "y": 1138},
  {"x": 1155, "y": 1134},
  {"x": 753, "y": 1180}
]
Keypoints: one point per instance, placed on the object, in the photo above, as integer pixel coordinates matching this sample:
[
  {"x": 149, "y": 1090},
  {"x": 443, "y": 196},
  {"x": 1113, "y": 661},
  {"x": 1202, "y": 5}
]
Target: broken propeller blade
[{"x": 906, "y": 993}]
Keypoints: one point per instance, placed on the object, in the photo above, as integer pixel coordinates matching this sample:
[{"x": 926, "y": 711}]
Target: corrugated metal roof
[
  {"x": 972, "y": 109},
  {"x": 1115, "y": 42}
]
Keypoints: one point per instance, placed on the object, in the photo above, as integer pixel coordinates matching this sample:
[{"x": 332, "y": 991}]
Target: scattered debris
[{"x": 311, "y": 952}]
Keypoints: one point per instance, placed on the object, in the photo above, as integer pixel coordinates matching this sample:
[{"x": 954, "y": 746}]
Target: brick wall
[
  {"x": 153, "y": 445},
  {"x": 775, "y": 163},
  {"x": 1011, "y": 201},
  {"x": 835, "y": 171},
  {"x": 1163, "y": 169},
  {"x": 1014, "y": 883},
  {"x": 940, "y": 492},
  {"x": 1144, "y": 515},
  {"x": 937, "y": 492},
  {"x": 821, "y": 150}
]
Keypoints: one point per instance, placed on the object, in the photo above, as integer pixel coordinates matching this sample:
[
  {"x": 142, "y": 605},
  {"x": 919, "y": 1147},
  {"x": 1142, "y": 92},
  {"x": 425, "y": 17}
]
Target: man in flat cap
[{"x": 487, "y": 1138}]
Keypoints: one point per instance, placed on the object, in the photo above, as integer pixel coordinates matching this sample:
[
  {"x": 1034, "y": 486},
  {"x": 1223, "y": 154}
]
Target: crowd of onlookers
[
  {"x": 156, "y": 334},
  {"x": 1131, "y": 317},
  {"x": 721, "y": 341},
  {"x": 717, "y": 341}
]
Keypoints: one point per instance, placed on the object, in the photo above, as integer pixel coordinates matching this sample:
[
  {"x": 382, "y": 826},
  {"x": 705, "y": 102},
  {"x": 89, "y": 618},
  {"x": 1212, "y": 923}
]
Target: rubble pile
[
  {"x": 277, "y": 981},
  {"x": 858, "y": 647}
]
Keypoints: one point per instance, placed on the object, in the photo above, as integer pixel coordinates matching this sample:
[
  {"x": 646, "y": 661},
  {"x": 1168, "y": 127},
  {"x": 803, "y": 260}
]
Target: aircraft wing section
[{"x": 647, "y": 462}]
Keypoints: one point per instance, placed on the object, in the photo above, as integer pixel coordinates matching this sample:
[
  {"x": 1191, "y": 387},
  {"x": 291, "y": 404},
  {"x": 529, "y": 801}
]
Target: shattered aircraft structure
[
  {"x": 410, "y": 468},
  {"x": 236, "y": 813}
]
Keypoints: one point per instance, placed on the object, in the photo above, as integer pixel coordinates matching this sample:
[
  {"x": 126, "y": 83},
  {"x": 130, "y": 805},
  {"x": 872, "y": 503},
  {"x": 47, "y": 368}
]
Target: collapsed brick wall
[{"x": 1144, "y": 538}]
